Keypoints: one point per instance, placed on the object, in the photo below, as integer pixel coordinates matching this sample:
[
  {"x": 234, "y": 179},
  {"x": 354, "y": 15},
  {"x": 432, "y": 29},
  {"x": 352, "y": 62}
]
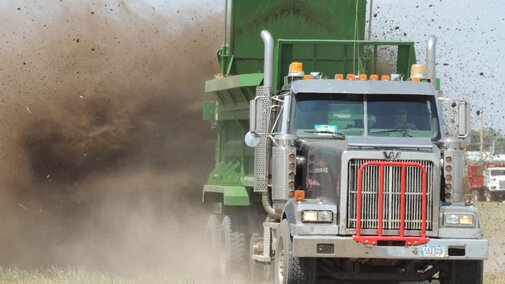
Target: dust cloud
[{"x": 103, "y": 150}]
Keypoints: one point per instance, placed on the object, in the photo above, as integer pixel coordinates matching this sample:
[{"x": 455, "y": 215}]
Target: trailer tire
[
  {"x": 464, "y": 272},
  {"x": 233, "y": 261},
  {"x": 289, "y": 269},
  {"x": 488, "y": 195},
  {"x": 213, "y": 243}
]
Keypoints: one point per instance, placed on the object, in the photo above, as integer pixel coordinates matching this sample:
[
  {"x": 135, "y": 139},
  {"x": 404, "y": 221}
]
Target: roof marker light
[
  {"x": 351, "y": 77},
  {"x": 386, "y": 78},
  {"x": 363, "y": 77},
  {"x": 339, "y": 76},
  {"x": 296, "y": 69},
  {"x": 374, "y": 77}
]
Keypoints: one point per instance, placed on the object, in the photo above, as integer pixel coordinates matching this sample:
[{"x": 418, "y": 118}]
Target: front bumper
[{"x": 346, "y": 247}]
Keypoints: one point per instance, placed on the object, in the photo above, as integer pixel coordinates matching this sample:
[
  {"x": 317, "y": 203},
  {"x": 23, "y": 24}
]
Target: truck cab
[
  {"x": 379, "y": 182},
  {"x": 494, "y": 179}
]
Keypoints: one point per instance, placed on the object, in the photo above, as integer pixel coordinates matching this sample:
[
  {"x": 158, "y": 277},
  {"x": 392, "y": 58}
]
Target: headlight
[
  {"x": 457, "y": 219},
  {"x": 313, "y": 216}
]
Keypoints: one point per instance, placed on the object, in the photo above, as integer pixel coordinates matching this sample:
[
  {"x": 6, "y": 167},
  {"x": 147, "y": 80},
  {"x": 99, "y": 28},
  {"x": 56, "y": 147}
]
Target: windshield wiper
[
  {"x": 335, "y": 135},
  {"x": 404, "y": 131}
]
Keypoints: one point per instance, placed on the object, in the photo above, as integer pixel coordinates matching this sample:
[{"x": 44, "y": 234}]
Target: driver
[{"x": 400, "y": 119}]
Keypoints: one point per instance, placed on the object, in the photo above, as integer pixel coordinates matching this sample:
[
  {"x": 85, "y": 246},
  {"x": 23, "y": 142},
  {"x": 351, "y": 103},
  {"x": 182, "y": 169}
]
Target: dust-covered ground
[
  {"x": 492, "y": 217},
  {"x": 103, "y": 152}
]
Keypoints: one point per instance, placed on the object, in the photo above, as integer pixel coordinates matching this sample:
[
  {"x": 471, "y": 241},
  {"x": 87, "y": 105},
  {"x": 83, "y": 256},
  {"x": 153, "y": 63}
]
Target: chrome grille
[{"x": 391, "y": 201}]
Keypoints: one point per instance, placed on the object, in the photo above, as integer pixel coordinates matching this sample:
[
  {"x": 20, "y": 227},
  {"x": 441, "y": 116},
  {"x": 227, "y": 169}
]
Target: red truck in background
[{"x": 486, "y": 182}]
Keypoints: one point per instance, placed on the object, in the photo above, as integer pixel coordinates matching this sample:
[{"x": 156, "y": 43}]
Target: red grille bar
[{"x": 410, "y": 240}]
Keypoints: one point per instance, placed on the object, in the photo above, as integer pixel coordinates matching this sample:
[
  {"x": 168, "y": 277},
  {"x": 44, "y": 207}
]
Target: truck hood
[
  {"x": 400, "y": 143},
  {"x": 323, "y": 158}
]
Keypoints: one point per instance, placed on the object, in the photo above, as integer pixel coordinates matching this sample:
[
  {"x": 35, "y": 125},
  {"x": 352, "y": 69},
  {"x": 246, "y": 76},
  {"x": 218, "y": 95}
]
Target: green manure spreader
[{"x": 337, "y": 158}]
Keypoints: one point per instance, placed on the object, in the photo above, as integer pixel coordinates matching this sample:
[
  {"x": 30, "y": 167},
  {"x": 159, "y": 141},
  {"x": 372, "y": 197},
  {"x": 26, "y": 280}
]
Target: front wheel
[
  {"x": 289, "y": 269},
  {"x": 463, "y": 272}
]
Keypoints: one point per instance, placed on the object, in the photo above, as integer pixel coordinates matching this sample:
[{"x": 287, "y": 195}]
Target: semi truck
[
  {"x": 486, "y": 182},
  {"x": 337, "y": 158}
]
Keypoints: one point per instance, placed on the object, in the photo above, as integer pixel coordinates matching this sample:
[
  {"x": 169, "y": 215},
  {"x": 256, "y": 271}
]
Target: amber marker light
[
  {"x": 291, "y": 166},
  {"x": 307, "y": 77},
  {"x": 296, "y": 67},
  {"x": 448, "y": 159},
  {"x": 351, "y": 77},
  {"x": 448, "y": 168},
  {"x": 339, "y": 76},
  {"x": 386, "y": 78},
  {"x": 363, "y": 77},
  {"x": 299, "y": 195},
  {"x": 374, "y": 77}
]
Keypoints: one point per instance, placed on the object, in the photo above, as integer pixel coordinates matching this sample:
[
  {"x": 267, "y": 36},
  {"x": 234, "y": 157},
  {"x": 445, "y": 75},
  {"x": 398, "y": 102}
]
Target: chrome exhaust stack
[
  {"x": 430, "y": 60},
  {"x": 268, "y": 42}
]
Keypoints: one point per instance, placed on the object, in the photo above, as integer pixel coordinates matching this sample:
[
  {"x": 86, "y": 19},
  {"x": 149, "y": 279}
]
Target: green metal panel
[
  {"x": 232, "y": 82},
  {"x": 231, "y": 114},
  {"x": 289, "y": 19},
  {"x": 232, "y": 195},
  {"x": 209, "y": 110}
]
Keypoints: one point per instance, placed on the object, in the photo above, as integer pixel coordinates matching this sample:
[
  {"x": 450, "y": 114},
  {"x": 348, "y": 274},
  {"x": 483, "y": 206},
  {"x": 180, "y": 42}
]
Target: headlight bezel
[
  {"x": 459, "y": 219},
  {"x": 317, "y": 216}
]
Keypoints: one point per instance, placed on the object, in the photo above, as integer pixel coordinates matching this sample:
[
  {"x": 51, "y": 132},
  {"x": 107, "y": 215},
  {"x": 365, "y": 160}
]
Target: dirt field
[{"x": 492, "y": 216}]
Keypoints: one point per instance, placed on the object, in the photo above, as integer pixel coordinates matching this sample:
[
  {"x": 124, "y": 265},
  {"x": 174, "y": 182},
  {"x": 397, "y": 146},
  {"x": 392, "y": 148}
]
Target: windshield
[
  {"x": 385, "y": 115},
  {"x": 498, "y": 172}
]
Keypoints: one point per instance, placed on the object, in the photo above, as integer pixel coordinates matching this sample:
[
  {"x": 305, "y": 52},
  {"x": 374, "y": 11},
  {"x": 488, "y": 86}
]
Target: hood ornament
[{"x": 391, "y": 155}]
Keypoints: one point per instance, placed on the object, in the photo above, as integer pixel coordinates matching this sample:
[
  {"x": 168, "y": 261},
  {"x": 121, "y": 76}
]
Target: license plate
[{"x": 433, "y": 251}]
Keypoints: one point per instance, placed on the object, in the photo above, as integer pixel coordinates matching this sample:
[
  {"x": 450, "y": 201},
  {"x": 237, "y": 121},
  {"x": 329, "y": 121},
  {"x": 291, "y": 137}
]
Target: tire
[
  {"x": 234, "y": 258},
  {"x": 259, "y": 273},
  {"x": 213, "y": 243},
  {"x": 463, "y": 272},
  {"x": 289, "y": 269},
  {"x": 488, "y": 195},
  {"x": 476, "y": 196}
]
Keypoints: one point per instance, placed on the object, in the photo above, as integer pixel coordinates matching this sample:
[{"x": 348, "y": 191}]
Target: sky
[{"x": 470, "y": 36}]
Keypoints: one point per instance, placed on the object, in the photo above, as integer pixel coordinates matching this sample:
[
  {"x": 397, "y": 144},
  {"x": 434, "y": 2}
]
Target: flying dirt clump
[{"x": 102, "y": 146}]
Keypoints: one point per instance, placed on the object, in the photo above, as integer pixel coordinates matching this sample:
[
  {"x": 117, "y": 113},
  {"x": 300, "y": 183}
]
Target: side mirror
[
  {"x": 252, "y": 139},
  {"x": 456, "y": 118},
  {"x": 252, "y": 115},
  {"x": 463, "y": 119}
]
